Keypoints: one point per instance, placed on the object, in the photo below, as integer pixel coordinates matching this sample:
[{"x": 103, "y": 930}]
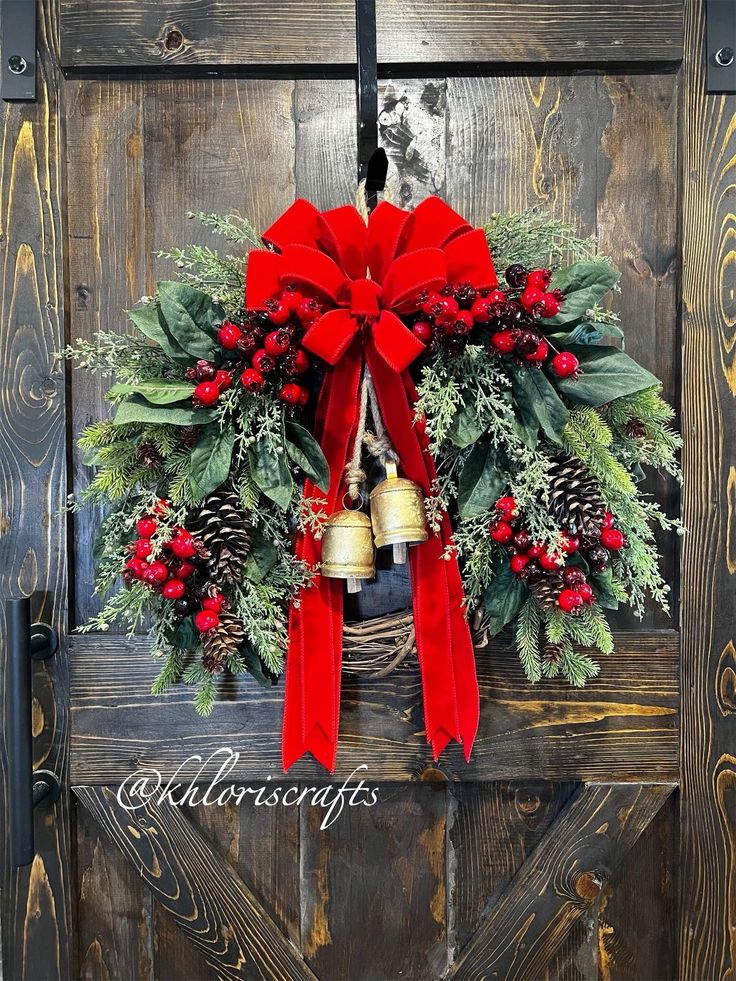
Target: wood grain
[
  {"x": 623, "y": 725},
  {"x": 209, "y": 902},
  {"x": 187, "y": 33},
  {"x": 707, "y": 850},
  {"x": 563, "y": 876},
  {"x": 36, "y": 901}
]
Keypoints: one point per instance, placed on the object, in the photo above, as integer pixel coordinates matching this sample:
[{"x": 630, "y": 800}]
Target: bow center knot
[{"x": 365, "y": 295}]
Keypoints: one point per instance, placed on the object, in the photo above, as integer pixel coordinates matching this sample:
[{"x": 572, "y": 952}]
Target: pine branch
[{"x": 527, "y": 639}]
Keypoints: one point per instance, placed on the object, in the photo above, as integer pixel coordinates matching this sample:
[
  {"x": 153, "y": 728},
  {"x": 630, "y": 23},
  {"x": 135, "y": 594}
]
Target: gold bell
[
  {"x": 397, "y": 513},
  {"x": 347, "y": 548}
]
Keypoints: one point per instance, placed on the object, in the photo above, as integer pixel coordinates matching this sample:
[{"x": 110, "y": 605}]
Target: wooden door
[{"x": 592, "y": 833}]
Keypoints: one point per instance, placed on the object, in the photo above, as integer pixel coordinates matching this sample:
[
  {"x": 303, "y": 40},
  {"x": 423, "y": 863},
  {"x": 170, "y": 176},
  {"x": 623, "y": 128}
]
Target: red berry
[
  {"x": 204, "y": 371},
  {"x": 496, "y": 296},
  {"x": 263, "y": 362},
  {"x": 612, "y": 539},
  {"x": 540, "y": 355},
  {"x": 252, "y": 380},
  {"x": 423, "y": 330},
  {"x": 299, "y": 362},
  {"x": 446, "y": 311},
  {"x": 480, "y": 310},
  {"x": 585, "y": 590},
  {"x": 137, "y": 566},
  {"x": 508, "y": 507},
  {"x": 522, "y": 540},
  {"x": 162, "y": 506},
  {"x": 569, "y": 543},
  {"x": 565, "y": 364},
  {"x": 551, "y": 560},
  {"x": 502, "y": 532},
  {"x": 277, "y": 343},
  {"x": 228, "y": 335},
  {"x": 308, "y": 311},
  {"x": 572, "y": 576},
  {"x": 173, "y": 589},
  {"x": 291, "y": 299},
  {"x": 206, "y": 620},
  {"x": 213, "y": 603},
  {"x": 146, "y": 527},
  {"x": 530, "y": 298},
  {"x": 430, "y": 304},
  {"x": 184, "y": 570},
  {"x": 504, "y": 341},
  {"x": 608, "y": 520},
  {"x": 290, "y": 393},
  {"x": 143, "y": 548},
  {"x": 535, "y": 551},
  {"x": 223, "y": 380},
  {"x": 206, "y": 393},
  {"x": 463, "y": 322},
  {"x": 278, "y": 312},
  {"x": 539, "y": 278},
  {"x": 518, "y": 562},
  {"x": 550, "y": 305},
  {"x": 569, "y": 600},
  {"x": 183, "y": 546},
  {"x": 156, "y": 573}
]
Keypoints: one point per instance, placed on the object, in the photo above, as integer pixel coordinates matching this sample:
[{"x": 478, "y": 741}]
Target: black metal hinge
[
  {"x": 372, "y": 160},
  {"x": 720, "y": 46},
  {"x": 18, "y": 29}
]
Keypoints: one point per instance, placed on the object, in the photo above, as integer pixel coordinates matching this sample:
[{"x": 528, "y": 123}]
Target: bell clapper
[
  {"x": 353, "y": 585},
  {"x": 400, "y": 553}
]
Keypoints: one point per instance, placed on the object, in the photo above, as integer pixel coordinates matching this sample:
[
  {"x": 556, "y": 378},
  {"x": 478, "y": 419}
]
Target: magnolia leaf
[
  {"x": 159, "y": 391},
  {"x": 465, "y": 428},
  {"x": 254, "y": 667},
  {"x": 605, "y": 374},
  {"x": 584, "y": 284},
  {"x": 211, "y": 459},
  {"x": 307, "y": 454},
  {"x": 185, "y": 636},
  {"x": 150, "y": 322},
  {"x": 262, "y": 557},
  {"x": 503, "y": 598},
  {"x": 135, "y": 410},
  {"x": 603, "y": 586},
  {"x": 190, "y": 317},
  {"x": 586, "y": 333},
  {"x": 482, "y": 480},
  {"x": 538, "y": 402},
  {"x": 271, "y": 474}
]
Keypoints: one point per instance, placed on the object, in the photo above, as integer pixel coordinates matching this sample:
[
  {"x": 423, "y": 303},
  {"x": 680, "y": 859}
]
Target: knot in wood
[{"x": 588, "y": 886}]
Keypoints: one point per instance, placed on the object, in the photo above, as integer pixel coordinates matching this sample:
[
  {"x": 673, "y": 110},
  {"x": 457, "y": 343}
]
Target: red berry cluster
[
  {"x": 173, "y": 574},
  {"x": 532, "y": 561},
  {"x": 508, "y": 318}
]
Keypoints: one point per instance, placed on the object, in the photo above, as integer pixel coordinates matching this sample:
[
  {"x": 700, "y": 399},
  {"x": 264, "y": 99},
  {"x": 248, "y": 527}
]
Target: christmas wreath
[{"x": 510, "y": 443}]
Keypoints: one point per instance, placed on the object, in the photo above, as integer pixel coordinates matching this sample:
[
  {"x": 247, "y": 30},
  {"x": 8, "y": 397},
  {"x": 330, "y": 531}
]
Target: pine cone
[
  {"x": 222, "y": 527},
  {"x": 635, "y": 429},
  {"x": 574, "y": 497},
  {"x": 546, "y": 589},
  {"x": 148, "y": 455},
  {"x": 552, "y": 653},
  {"x": 222, "y": 641}
]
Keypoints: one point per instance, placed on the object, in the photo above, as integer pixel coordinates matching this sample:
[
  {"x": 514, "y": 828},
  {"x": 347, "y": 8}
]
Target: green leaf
[
  {"x": 307, "y": 454},
  {"x": 538, "y": 402},
  {"x": 465, "y": 428},
  {"x": 586, "y": 333},
  {"x": 159, "y": 391},
  {"x": 602, "y": 584},
  {"x": 504, "y": 598},
  {"x": 254, "y": 666},
  {"x": 150, "y": 322},
  {"x": 190, "y": 317},
  {"x": 211, "y": 459},
  {"x": 584, "y": 284},
  {"x": 185, "y": 636},
  {"x": 135, "y": 410},
  {"x": 482, "y": 480},
  {"x": 605, "y": 374},
  {"x": 271, "y": 474},
  {"x": 262, "y": 557}
]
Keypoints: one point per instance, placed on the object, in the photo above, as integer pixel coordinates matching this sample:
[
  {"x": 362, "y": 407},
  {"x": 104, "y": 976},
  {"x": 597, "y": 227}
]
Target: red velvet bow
[{"x": 368, "y": 276}]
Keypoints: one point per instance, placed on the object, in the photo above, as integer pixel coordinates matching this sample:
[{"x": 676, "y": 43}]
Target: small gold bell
[
  {"x": 347, "y": 548},
  {"x": 397, "y": 513}
]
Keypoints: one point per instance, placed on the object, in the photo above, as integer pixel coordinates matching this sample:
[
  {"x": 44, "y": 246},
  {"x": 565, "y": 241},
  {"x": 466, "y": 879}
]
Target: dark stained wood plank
[
  {"x": 373, "y": 887},
  {"x": 326, "y": 141},
  {"x": 184, "y": 33},
  {"x": 636, "y": 913},
  {"x": 209, "y": 902},
  {"x": 623, "y": 725},
  {"x": 35, "y": 901},
  {"x": 174, "y": 957},
  {"x": 154, "y": 33},
  {"x": 707, "y": 857},
  {"x": 113, "y": 925},
  {"x": 492, "y": 829},
  {"x": 562, "y": 878}
]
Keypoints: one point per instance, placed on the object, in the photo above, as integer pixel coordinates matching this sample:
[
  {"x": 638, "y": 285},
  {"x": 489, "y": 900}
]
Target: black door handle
[{"x": 27, "y": 788}]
